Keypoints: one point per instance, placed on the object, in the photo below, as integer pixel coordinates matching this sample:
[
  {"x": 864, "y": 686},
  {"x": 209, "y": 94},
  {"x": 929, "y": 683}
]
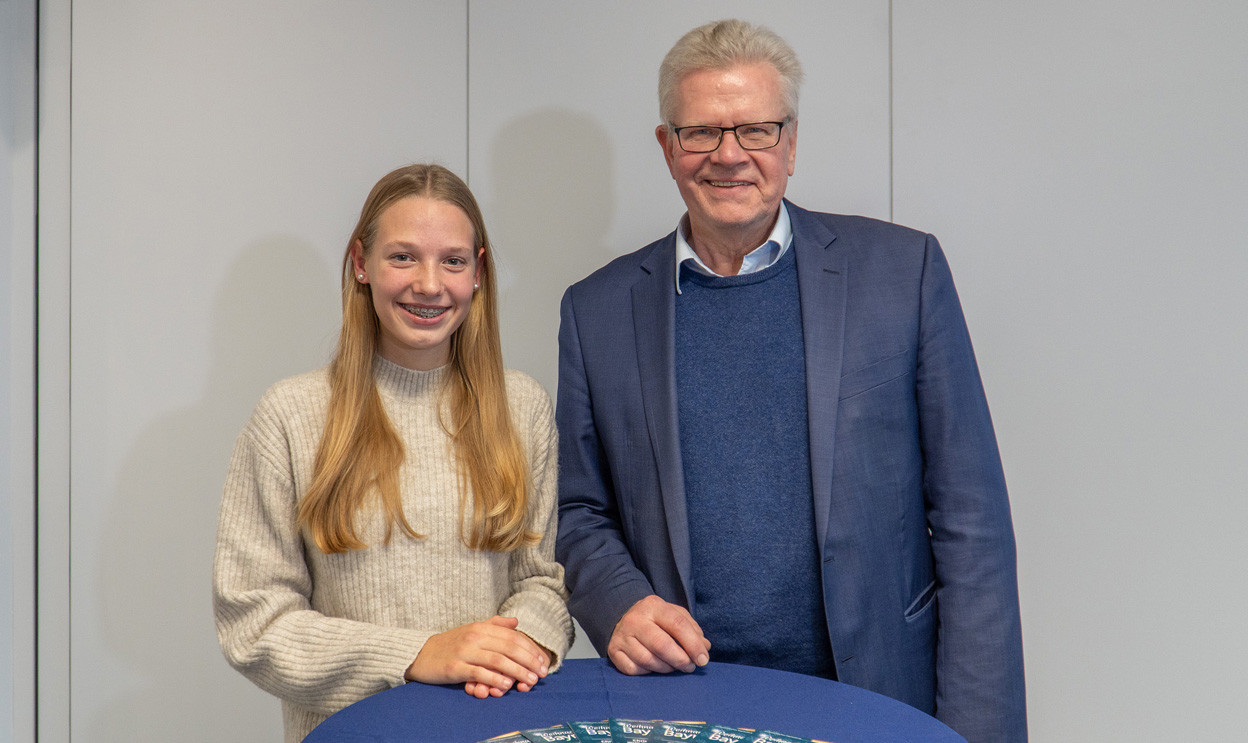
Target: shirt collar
[{"x": 764, "y": 256}]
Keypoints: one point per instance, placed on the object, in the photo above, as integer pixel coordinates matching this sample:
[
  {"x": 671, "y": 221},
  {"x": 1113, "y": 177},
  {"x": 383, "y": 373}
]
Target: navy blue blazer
[{"x": 911, "y": 511}]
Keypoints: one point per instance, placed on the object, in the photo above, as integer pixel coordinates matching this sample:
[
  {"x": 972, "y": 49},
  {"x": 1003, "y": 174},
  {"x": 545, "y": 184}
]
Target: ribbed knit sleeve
[
  {"x": 263, "y": 589},
  {"x": 539, "y": 598}
]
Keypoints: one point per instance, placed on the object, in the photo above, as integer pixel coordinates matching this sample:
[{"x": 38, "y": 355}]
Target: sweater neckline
[
  {"x": 783, "y": 264},
  {"x": 400, "y": 383}
]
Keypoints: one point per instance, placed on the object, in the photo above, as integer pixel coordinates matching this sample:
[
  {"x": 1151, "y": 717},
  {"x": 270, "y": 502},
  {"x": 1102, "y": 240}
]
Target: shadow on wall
[
  {"x": 276, "y": 314},
  {"x": 552, "y": 200}
]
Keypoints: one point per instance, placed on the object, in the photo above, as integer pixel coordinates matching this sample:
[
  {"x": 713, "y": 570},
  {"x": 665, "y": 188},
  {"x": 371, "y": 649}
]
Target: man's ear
[
  {"x": 667, "y": 142},
  {"x": 792, "y": 135}
]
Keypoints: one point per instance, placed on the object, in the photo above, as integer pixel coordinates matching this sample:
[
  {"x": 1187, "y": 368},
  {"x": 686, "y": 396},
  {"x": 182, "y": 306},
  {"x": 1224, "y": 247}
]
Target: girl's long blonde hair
[{"x": 360, "y": 454}]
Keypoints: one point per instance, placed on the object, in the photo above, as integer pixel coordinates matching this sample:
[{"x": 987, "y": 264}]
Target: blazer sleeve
[
  {"x": 603, "y": 578},
  {"x": 979, "y": 660}
]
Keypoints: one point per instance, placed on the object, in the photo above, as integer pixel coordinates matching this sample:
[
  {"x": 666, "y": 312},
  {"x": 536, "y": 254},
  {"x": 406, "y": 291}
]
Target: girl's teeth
[{"x": 426, "y": 312}]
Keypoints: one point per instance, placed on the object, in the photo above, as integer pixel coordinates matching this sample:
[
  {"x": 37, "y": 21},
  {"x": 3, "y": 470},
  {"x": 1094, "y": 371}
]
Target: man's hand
[
  {"x": 654, "y": 636},
  {"x": 487, "y": 657}
]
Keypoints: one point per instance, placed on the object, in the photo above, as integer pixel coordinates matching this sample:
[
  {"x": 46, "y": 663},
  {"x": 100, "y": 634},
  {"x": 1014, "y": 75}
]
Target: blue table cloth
[{"x": 720, "y": 693}]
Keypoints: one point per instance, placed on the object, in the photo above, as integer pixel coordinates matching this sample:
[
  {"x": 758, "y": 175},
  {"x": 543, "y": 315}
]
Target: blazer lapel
[
  {"x": 654, "y": 311},
  {"x": 821, "y": 275}
]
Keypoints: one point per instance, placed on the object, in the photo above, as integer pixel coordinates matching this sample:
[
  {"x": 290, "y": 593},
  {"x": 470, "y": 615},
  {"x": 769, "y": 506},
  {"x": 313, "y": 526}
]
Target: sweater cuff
[
  {"x": 553, "y": 631},
  {"x": 395, "y": 651}
]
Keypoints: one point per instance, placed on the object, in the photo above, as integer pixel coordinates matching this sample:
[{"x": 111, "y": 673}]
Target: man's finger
[
  {"x": 677, "y": 624},
  {"x": 631, "y": 656},
  {"x": 624, "y": 664},
  {"x": 648, "y": 649},
  {"x": 658, "y": 651}
]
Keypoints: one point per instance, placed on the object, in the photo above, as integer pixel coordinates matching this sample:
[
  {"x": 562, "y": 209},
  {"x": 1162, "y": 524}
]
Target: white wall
[
  {"x": 1083, "y": 164},
  {"x": 1086, "y": 165},
  {"x": 17, "y": 367}
]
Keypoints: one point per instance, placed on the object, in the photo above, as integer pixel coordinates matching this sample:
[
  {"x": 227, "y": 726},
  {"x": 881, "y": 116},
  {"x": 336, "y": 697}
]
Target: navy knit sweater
[{"x": 745, "y": 450}]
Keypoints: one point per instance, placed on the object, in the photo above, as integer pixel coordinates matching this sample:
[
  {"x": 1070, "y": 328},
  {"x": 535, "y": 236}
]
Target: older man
[{"x": 775, "y": 445}]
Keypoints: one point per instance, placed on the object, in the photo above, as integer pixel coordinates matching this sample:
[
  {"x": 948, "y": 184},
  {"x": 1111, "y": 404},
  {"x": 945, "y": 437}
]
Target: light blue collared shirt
[{"x": 763, "y": 256}]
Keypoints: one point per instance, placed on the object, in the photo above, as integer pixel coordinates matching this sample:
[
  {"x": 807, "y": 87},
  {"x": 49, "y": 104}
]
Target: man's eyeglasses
[{"x": 757, "y": 136}]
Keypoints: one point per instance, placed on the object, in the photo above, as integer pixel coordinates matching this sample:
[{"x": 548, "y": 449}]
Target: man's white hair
[{"x": 722, "y": 45}]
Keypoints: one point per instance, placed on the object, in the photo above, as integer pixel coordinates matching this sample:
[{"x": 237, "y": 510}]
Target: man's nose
[{"x": 729, "y": 150}]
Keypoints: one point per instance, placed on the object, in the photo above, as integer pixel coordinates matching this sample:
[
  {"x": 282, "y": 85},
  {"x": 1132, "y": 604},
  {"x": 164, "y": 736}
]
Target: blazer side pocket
[
  {"x": 875, "y": 374},
  {"x": 921, "y": 604}
]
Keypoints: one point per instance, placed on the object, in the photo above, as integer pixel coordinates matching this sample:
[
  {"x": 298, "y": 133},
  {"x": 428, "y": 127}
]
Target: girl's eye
[
  {"x": 456, "y": 262},
  {"x": 401, "y": 257}
]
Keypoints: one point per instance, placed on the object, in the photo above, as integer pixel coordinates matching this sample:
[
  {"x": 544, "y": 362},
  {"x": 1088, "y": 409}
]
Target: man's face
[{"x": 732, "y": 194}]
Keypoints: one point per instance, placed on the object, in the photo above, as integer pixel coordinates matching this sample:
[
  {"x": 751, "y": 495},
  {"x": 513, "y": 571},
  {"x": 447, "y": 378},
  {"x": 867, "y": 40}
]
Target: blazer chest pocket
[{"x": 875, "y": 374}]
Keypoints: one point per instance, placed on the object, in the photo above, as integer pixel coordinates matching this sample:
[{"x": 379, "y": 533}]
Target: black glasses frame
[{"x": 678, "y": 129}]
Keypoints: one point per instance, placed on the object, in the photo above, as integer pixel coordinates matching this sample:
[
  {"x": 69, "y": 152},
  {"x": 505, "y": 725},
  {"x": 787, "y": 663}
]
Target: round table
[{"x": 720, "y": 693}]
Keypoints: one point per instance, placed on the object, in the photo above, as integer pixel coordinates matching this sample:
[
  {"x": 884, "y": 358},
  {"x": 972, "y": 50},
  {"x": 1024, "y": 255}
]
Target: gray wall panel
[
  {"x": 1085, "y": 167},
  {"x": 53, "y": 383},
  {"x": 17, "y": 368}
]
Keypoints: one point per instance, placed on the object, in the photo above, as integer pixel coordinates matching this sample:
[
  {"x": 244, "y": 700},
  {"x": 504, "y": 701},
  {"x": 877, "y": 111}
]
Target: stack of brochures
[{"x": 617, "y": 730}]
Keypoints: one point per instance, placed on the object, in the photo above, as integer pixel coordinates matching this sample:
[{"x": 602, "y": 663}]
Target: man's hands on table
[{"x": 654, "y": 636}]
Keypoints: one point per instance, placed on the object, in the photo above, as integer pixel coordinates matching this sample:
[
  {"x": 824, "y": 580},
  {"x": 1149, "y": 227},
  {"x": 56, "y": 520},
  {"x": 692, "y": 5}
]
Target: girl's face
[{"x": 423, "y": 268}]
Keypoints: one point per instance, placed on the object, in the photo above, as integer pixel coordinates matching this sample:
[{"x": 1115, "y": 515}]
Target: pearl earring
[
  {"x": 359, "y": 276},
  {"x": 475, "y": 287}
]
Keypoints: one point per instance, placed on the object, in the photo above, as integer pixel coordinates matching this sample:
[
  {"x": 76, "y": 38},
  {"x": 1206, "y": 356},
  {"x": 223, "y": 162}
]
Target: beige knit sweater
[{"x": 322, "y": 631}]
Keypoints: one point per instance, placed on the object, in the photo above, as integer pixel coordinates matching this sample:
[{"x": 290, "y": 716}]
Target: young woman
[{"x": 391, "y": 518}]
